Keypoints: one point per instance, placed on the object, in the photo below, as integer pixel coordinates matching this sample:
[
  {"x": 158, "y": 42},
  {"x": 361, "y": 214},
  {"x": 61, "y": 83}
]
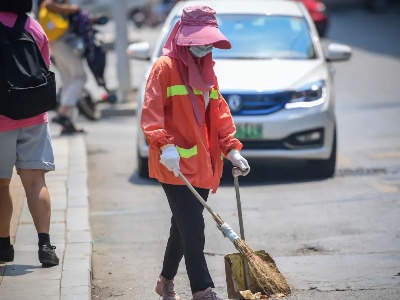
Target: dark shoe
[
  {"x": 72, "y": 130},
  {"x": 68, "y": 127},
  {"x": 47, "y": 256},
  {"x": 7, "y": 253},
  {"x": 88, "y": 107},
  {"x": 62, "y": 120}
]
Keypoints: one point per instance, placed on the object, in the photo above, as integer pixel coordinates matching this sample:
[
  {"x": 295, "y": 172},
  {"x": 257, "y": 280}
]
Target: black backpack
[{"x": 27, "y": 86}]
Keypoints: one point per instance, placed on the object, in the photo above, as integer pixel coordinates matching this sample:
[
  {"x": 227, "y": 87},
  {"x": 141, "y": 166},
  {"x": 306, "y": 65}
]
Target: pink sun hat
[{"x": 198, "y": 26}]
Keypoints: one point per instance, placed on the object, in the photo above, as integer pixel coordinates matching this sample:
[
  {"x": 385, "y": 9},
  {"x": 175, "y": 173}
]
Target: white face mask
[{"x": 200, "y": 51}]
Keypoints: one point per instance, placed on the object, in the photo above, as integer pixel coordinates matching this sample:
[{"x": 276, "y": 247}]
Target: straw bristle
[{"x": 268, "y": 276}]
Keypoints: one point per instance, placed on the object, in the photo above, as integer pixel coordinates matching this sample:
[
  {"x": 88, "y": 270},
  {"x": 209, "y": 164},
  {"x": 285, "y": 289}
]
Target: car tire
[
  {"x": 324, "y": 168},
  {"x": 142, "y": 166}
]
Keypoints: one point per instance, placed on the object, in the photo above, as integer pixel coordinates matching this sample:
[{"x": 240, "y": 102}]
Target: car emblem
[{"x": 235, "y": 103}]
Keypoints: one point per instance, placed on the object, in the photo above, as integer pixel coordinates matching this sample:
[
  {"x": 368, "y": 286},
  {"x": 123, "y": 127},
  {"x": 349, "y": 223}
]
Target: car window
[{"x": 263, "y": 37}]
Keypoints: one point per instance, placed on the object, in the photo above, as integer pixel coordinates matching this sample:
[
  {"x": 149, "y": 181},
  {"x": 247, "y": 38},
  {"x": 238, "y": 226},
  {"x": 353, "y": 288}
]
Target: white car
[{"x": 277, "y": 80}]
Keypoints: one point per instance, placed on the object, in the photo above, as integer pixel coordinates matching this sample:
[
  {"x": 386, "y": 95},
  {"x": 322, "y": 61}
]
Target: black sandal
[{"x": 62, "y": 120}]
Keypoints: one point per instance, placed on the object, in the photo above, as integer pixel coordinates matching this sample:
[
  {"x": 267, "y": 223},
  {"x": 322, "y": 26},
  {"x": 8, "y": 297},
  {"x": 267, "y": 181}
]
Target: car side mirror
[
  {"x": 338, "y": 52},
  {"x": 139, "y": 51}
]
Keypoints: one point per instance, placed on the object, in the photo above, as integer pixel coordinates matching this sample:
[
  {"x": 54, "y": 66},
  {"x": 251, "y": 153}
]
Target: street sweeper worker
[{"x": 189, "y": 128}]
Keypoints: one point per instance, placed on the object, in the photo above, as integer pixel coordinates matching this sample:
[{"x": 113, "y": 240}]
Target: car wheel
[
  {"x": 143, "y": 166},
  {"x": 324, "y": 168},
  {"x": 378, "y": 6}
]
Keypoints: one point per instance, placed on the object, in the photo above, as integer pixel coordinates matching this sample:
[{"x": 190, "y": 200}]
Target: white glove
[
  {"x": 170, "y": 159},
  {"x": 239, "y": 161}
]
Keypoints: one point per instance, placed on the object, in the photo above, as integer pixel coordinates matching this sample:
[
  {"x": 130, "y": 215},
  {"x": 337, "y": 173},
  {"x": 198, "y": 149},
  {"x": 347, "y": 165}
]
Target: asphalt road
[{"x": 332, "y": 239}]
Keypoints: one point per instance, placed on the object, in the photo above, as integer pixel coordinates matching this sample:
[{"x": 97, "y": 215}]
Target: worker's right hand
[{"x": 170, "y": 159}]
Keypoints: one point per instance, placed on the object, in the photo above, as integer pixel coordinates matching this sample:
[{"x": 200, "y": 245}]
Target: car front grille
[{"x": 256, "y": 103}]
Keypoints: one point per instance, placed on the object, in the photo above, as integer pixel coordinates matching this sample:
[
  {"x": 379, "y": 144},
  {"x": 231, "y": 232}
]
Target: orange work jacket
[{"x": 168, "y": 118}]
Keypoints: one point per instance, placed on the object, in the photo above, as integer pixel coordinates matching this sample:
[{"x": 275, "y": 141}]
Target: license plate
[{"x": 248, "y": 131}]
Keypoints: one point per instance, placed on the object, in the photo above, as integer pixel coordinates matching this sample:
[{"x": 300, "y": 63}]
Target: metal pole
[{"x": 121, "y": 43}]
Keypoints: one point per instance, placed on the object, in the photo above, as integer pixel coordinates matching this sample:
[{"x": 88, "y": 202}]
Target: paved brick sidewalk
[{"x": 24, "y": 278}]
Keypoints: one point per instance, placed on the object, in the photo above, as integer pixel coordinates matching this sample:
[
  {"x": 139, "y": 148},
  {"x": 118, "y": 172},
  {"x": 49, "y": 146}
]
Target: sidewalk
[{"x": 24, "y": 278}]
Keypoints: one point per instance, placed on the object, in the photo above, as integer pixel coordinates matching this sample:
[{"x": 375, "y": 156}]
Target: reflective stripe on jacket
[{"x": 168, "y": 118}]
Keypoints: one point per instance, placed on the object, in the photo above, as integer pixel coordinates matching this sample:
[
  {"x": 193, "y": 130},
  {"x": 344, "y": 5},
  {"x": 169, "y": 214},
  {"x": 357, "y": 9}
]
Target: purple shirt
[{"x": 41, "y": 39}]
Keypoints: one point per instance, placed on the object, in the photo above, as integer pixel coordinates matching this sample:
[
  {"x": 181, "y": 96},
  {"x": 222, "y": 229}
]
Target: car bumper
[{"x": 281, "y": 130}]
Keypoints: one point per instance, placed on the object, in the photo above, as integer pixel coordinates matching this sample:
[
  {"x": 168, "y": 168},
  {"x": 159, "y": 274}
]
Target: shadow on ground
[{"x": 16, "y": 270}]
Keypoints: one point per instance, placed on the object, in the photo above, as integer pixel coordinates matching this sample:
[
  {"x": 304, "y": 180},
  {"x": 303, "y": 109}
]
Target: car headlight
[{"x": 309, "y": 95}]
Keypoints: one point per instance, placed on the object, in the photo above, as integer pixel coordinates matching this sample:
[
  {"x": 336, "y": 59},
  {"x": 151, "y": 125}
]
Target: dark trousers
[{"x": 186, "y": 237}]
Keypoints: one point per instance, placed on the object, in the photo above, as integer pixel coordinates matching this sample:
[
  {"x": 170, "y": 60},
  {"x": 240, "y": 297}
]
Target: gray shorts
[{"x": 26, "y": 148}]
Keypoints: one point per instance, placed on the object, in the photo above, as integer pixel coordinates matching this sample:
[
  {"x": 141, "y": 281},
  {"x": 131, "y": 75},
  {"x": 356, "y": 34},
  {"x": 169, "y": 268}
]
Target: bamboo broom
[{"x": 269, "y": 279}]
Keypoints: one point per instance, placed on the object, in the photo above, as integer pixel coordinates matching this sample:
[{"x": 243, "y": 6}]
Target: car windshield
[{"x": 263, "y": 37}]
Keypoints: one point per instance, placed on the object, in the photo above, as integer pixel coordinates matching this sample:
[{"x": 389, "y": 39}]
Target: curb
[{"x": 76, "y": 278}]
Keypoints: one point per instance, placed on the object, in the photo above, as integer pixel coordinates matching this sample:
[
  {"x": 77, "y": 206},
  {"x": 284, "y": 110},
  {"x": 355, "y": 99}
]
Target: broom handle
[
  {"x": 239, "y": 207},
  {"x": 215, "y": 216},
  {"x": 235, "y": 173}
]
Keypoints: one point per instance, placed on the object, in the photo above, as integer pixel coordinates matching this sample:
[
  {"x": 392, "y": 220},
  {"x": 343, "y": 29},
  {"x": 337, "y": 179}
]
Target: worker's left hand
[{"x": 239, "y": 161}]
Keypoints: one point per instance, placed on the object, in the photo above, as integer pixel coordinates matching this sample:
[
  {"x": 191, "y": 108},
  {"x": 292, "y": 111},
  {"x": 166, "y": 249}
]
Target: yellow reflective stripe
[
  {"x": 197, "y": 92},
  {"x": 176, "y": 90},
  {"x": 214, "y": 94},
  {"x": 179, "y": 90},
  {"x": 186, "y": 153}
]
